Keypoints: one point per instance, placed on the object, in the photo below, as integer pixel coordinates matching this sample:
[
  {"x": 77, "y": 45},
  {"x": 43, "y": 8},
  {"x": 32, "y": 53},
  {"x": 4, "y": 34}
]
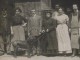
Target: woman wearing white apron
[{"x": 64, "y": 44}]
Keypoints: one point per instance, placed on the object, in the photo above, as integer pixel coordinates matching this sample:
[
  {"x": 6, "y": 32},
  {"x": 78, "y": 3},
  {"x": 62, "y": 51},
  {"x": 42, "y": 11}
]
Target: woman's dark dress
[{"x": 50, "y": 40}]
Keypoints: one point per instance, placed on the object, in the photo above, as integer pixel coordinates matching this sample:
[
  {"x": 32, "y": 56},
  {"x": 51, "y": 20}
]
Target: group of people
[{"x": 61, "y": 31}]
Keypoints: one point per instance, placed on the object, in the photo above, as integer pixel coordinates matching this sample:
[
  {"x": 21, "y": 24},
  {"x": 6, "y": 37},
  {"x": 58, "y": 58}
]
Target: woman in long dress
[
  {"x": 50, "y": 42},
  {"x": 64, "y": 44}
]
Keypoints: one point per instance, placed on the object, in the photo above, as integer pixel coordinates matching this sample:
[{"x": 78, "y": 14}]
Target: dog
[
  {"x": 28, "y": 45},
  {"x": 33, "y": 45}
]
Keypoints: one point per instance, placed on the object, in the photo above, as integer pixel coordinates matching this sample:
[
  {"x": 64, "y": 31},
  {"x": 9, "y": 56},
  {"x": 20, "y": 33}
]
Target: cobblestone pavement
[{"x": 8, "y": 57}]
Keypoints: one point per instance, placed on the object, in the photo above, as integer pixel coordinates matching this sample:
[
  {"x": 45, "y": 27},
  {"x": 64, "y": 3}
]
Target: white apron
[{"x": 64, "y": 43}]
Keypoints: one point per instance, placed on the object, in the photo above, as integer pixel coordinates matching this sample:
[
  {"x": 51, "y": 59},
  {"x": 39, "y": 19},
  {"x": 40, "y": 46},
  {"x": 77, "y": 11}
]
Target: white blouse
[{"x": 62, "y": 18}]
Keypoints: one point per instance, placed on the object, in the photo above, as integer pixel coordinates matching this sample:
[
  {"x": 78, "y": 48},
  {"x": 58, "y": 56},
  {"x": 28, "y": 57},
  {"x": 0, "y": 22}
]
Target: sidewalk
[{"x": 8, "y": 57}]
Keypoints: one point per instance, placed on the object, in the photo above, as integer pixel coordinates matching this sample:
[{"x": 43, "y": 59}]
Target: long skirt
[
  {"x": 75, "y": 38},
  {"x": 52, "y": 46},
  {"x": 49, "y": 43},
  {"x": 64, "y": 44},
  {"x": 19, "y": 34},
  {"x": 52, "y": 40}
]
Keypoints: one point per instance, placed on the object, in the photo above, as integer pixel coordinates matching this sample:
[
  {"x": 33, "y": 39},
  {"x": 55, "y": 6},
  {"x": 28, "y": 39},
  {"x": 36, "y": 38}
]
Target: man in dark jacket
[{"x": 5, "y": 30}]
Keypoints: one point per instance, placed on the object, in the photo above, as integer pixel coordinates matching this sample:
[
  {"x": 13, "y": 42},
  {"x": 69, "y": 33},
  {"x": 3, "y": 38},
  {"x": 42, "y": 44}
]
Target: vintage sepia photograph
[{"x": 39, "y": 29}]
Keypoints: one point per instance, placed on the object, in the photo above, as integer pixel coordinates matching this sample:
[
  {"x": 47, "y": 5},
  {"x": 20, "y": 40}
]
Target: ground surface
[{"x": 8, "y": 57}]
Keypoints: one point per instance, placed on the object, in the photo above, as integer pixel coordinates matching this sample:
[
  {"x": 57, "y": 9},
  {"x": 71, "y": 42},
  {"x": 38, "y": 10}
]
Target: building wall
[
  {"x": 45, "y": 4},
  {"x": 37, "y": 5},
  {"x": 27, "y": 6}
]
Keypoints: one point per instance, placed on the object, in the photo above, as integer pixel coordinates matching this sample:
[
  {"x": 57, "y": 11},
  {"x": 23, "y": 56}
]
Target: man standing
[
  {"x": 55, "y": 11},
  {"x": 34, "y": 27},
  {"x": 5, "y": 30},
  {"x": 75, "y": 17}
]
